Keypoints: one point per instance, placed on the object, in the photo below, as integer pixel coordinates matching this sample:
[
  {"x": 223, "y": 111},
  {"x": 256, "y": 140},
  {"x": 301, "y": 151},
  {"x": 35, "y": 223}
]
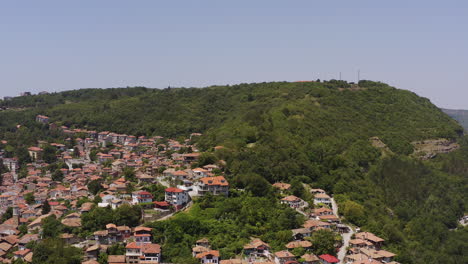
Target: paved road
[
  {"x": 186, "y": 208},
  {"x": 302, "y": 212},
  {"x": 334, "y": 207},
  {"x": 346, "y": 236}
]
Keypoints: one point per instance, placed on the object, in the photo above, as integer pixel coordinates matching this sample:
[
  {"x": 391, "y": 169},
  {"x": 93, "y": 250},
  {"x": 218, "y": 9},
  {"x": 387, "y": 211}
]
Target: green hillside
[{"x": 311, "y": 132}]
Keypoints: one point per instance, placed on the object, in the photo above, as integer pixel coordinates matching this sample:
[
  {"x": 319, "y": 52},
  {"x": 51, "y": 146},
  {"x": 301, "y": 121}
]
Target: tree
[
  {"x": 297, "y": 188},
  {"x": 93, "y": 154},
  {"x": 116, "y": 249},
  {"x": 97, "y": 199},
  {"x": 254, "y": 183},
  {"x": 205, "y": 159},
  {"x": 157, "y": 190},
  {"x": 82, "y": 200},
  {"x": 129, "y": 174},
  {"x": 95, "y": 186},
  {"x": 127, "y": 215},
  {"x": 298, "y": 252},
  {"x": 97, "y": 218},
  {"x": 51, "y": 227},
  {"x": 49, "y": 154},
  {"x": 29, "y": 198},
  {"x": 323, "y": 242},
  {"x": 45, "y": 207},
  {"x": 102, "y": 258},
  {"x": 57, "y": 175},
  {"x": 19, "y": 261},
  {"x": 23, "y": 229},
  {"x": 8, "y": 214},
  {"x": 76, "y": 152},
  {"x": 54, "y": 251},
  {"x": 23, "y": 156},
  {"x": 23, "y": 173},
  {"x": 354, "y": 212}
]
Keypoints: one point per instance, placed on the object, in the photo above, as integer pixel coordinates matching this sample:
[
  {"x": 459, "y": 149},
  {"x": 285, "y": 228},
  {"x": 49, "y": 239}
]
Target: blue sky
[{"x": 58, "y": 45}]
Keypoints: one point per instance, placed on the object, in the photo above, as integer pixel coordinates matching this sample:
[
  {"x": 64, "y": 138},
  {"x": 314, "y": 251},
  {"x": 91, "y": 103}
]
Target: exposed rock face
[
  {"x": 378, "y": 143},
  {"x": 428, "y": 149}
]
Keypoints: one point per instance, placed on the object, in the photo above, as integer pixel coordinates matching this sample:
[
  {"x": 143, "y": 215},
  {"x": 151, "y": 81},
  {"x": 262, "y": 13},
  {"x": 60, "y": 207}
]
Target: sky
[{"x": 418, "y": 45}]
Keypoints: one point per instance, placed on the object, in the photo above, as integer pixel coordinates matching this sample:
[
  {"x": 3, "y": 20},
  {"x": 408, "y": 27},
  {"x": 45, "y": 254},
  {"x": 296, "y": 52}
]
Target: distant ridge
[{"x": 460, "y": 115}]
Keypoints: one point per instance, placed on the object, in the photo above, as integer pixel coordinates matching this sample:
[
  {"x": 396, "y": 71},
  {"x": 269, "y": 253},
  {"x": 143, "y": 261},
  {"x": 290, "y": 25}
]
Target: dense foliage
[
  {"x": 228, "y": 223},
  {"x": 54, "y": 251},
  {"x": 99, "y": 217}
]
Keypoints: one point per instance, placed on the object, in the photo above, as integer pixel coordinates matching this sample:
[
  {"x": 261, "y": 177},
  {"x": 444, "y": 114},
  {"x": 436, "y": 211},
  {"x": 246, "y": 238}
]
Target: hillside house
[
  {"x": 283, "y": 257},
  {"x": 282, "y": 186},
  {"x": 139, "y": 197},
  {"x": 116, "y": 259},
  {"x": 322, "y": 198},
  {"x": 370, "y": 237},
  {"x": 298, "y": 244},
  {"x": 313, "y": 224},
  {"x": 190, "y": 157},
  {"x": 310, "y": 259},
  {"x": 12, "y": 164},
  {"x": 301, "y": 233},
  {"x": 199, "y": 173},
  {"x": 35, "y": 153},
  {"x": 328, "y": 259},
  {"x": 208, "y": 257},
  {"x": 176, "y": 197},
  {"x": 293, "y": 201},
  {"x": 214, "y": 185},
  {"x": 321, "y": 211},
  {"x": 144, "y": 253},
  {"x": 42, "y": 119},
  {"x": 257, "y": 248}
]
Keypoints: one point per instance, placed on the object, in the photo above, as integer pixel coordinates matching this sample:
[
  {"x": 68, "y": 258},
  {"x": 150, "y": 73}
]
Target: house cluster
[
  {"x": 139, "y": 247},
  {"x": 259, "y": 252},
  {"x": 42, "y": 119},
  {"x": 102, "y": 157},
  {"x": 364, "y": 249}
]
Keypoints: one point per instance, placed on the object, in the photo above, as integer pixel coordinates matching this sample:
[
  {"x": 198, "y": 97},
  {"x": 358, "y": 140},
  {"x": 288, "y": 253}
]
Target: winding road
[{"x": 346, "y": 236}]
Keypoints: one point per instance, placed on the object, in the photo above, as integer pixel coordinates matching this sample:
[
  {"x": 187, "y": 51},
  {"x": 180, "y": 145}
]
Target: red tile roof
[
  {"x": 211, "y": 252},
  {"x": 218, "y": 180},
  {"x": 329, "y": 258},
  {"x": 174, "y": 190}
]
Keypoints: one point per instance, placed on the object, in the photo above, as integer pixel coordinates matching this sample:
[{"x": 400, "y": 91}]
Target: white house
[
  {"x": 322, "y": 198},
  {"x": 282, "y": 257},
  {"x": 141, "y": 197},
  {"x": 293, "y": 201},
  {"x": 215, "y": 185},
  {"x": 176, "y": 197},
  {"x": 108, "y": 198},
  {"x": 147, "y": 253},
  {"x": 211, "y": 256}
]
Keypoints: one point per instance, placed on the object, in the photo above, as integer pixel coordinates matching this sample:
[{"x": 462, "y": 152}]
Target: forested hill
[
  {"x": 321, "y": 109},
  {"x": 312, "y": 132},
  {"x": 460, "y": 115}
]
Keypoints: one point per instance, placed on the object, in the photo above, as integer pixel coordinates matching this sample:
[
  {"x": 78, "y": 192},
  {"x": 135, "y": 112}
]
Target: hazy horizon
[{"x": 419, "y": 46}]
